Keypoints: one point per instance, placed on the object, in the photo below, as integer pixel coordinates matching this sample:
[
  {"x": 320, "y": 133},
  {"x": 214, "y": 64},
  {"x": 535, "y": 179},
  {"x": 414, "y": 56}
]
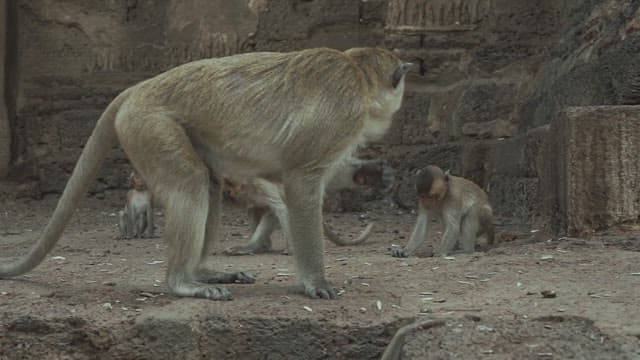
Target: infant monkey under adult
[
  {"x": 136, "y": 220},
  {"x": 267, "y": 210},
  {"x": 461, "y": 204}
]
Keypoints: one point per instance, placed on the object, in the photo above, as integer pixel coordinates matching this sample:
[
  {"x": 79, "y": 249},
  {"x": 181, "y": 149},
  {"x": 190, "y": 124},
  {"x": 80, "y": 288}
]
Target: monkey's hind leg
[
  {"x": 486, "y": 224},
  {"x": 159, "y": 148},
  {"x": 469, "y": 231},
  {"x": 203, "y": 273},
  {"x": 123, "y": 225},
  {"x": 140, "y": 224},
  {"x": 490, "y": 234},
  {"x": 260, "y": 240}
]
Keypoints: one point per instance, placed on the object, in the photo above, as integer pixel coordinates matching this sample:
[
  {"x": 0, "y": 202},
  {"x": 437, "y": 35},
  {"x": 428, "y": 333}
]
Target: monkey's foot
[
  {"x": 203, "y": 291},
  {"x": 320, "y": 290},
  {"x": 244, "y": 250},
  {"x": 221, "y": 277},
  {"x": 397, "y": 251}
]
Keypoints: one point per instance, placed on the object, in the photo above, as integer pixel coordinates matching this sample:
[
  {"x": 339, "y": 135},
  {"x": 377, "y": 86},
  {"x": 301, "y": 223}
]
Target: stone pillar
[
  {"x": 593, "y": 168},
  {"x": 5, "y": 131}
]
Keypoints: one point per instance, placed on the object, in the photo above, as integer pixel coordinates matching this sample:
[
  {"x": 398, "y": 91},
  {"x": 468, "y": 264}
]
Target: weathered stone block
[
  {"x": 411, "y": 125},
  {"x": 419, "y": 16},
  {"x": 373, "y": 11},
  {"x": 593, "y": 168},
  {"x": 437, "y": 67},
  {"x": 490, "y": 129},
  {"x": 486, "y": 102}
]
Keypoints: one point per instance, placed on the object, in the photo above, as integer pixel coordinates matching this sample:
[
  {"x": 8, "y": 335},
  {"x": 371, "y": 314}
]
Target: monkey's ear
[{"x": 400, "y": 71}]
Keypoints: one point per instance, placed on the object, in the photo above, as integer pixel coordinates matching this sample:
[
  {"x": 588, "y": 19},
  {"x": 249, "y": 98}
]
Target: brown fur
[{"x": 462, "y": 205}]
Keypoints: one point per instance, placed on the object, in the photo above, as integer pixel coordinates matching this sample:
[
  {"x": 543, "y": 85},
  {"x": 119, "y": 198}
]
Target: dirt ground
[{"x": 96, "y": 297}]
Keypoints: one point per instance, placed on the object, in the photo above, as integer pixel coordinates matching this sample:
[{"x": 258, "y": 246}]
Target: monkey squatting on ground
[
  {"x": 462, "y": 205},
  {"x": 136, "y": 220},
  {"x": 267, "y": 213},
  {"x": 281, "y": 118}
]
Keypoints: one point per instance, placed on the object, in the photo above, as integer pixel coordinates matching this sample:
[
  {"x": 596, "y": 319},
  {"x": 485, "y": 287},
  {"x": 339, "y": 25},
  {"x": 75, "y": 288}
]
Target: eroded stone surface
[
  {"x": 554, "y": 336},
  {"x": 595, "y": 156}
]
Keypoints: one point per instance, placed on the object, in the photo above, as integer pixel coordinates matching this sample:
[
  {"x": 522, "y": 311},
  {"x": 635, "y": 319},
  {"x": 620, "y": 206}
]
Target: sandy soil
[{"x": 98, "y": 297}]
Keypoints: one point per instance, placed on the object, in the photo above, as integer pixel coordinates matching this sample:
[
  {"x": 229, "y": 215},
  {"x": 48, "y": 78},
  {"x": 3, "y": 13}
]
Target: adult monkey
[{"x": 281, "y": 117}]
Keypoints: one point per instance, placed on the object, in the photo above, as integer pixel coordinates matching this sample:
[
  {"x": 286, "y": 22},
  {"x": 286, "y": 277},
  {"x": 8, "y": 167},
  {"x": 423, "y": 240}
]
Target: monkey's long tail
[
  {"x": 100, "y": 142},
  {"x": 334, "y": 238},
  {"x": 394, "y": 349}
]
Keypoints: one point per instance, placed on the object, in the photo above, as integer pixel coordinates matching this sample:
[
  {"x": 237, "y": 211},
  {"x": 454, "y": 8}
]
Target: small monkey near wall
[
  {"x": 462, "y": 205},
  {"x": 136, "y": 220}
]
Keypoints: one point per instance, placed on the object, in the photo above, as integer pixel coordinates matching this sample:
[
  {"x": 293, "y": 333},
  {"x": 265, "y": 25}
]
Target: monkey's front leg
[
  {"x": 451, "y": 234},
  {"x": 418, "y": 236},
  {"x": 304, "y": 201}
]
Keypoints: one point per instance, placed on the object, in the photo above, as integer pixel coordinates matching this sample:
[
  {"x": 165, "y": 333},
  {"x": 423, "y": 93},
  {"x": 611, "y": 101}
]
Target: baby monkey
[
  {"x": 462, "y": 205},
  {"x": 136, "y": 220},
  {"x": 267, "y": 211}
]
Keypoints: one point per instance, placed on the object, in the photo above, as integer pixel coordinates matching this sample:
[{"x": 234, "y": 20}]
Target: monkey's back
[
  {"x": 287, "y": 100},
  {"x": 465, "y": 193}
]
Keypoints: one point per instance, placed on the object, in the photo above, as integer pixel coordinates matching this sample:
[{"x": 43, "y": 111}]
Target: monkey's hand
[
  {"x": 320, "y": 290},
  {"x": 398, "y": 251}
]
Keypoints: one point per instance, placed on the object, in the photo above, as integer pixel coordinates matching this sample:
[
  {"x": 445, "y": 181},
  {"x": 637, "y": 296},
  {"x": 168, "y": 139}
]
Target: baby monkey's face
[
  {"x": 431, "y": 199},
  {"x": 138, "y": 183},
  {"x": 369, "y": 175}
]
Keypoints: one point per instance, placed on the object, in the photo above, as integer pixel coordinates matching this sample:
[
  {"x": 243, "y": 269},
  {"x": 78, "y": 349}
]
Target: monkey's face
[
  {"x": 138, "y": 183},
  {"x": 230, "y": 195},
  {"x": 369, "y": 175},
  {"x": 233, "y": 192},
  {"x": 433, "y": 198}
]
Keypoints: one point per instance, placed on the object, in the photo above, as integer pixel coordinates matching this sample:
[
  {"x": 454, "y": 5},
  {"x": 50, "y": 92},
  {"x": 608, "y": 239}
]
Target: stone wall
[
  {"x": 73, "y": 57},
  {"x": 492, "y": 74},
  {"x": 5, "y": 133}
]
